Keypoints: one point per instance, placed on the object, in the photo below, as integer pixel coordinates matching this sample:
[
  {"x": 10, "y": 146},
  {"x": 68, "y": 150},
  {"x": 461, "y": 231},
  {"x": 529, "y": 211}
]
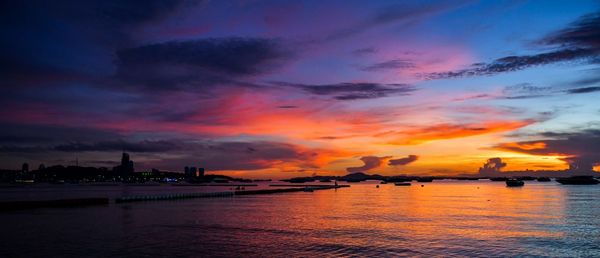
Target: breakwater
[
  {"x": 222, "y": 194},
  {"x": 62, "y": 203}
]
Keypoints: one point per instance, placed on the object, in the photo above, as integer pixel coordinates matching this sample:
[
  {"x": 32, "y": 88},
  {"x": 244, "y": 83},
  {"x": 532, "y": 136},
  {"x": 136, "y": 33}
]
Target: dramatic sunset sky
[{"x": 277, "y": 89}]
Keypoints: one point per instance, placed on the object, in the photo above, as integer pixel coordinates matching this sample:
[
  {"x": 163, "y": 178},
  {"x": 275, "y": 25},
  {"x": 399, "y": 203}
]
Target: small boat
[
  {"x": 402, "y": 184},
  {"x": 578, "y": 180},
  {"x": 514, "y": 183},
  {"x": 543, "y": 179}
]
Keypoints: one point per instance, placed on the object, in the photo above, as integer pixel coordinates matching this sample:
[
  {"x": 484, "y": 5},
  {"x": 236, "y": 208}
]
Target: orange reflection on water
[{"x": 433, "y": 214}]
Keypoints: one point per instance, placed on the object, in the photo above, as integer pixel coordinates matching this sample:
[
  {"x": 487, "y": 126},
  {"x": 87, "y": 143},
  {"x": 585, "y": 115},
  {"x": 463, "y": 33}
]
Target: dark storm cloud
[
  {"x": 390, "y": 65},
  {"x": 201, "y": 62},
  {"x": 403, "y": 161},
  {"x": 370, "y": 162},
  {"x": 583, "y": 148},
  {"x": 354, "y": 90},
  {"x": 579, "y": 41}
]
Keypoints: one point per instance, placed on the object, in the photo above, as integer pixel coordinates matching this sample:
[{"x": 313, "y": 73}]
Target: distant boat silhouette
[
  {"x": 402, "y": 184},
  {"x": 578, "y": 180},
  {"x": 514, "y": 182}
]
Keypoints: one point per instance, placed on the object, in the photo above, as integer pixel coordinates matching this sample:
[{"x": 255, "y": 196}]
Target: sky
[{"x": 279, "y": 89}]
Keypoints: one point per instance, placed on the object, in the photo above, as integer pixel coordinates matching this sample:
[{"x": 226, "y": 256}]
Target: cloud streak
[
  {"x": 370, "y": 162},
  {"x": 403, "y": 161},
  {"x": 354, "y": 91}
]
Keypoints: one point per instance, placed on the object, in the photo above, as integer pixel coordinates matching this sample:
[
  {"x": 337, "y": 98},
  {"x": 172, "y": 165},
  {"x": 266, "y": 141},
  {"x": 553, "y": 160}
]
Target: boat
[
  {"x": 578, "y": 180},
  {"x": 514, "y": 182},
  {"x": 402, "y": 184},
  {"x": 543, "y": 179}
]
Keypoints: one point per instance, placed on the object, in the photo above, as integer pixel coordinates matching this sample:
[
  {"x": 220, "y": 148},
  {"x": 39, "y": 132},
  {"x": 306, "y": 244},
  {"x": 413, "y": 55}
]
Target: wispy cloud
[
  {"x": 579, "y": 41},
  {"x": 353, "y": 91}
]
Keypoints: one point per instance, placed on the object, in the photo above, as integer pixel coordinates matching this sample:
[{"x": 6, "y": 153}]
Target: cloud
[
  {"x": 583, "y": 90},
  {"x": 515, "y": 63},
  {"x": 89, "y": 30},
  {"x": 365, "y": 51},
  {"x": 250, "y": 155},
  {"x": 579, "y": 41},
  {"x": 404, "y": 13},
  {"x": 403, "y": 161},
  {"x": 580, "y": 149},
  {"x": 582, "y": 33},
  {"x": 525, "y": 91},
  {"x": 491, "y": 166},
  {"x": 353, "y": 91},
  {"x": 119, "y": 145},
  {"x": 391, "y": 64},
  {"x": 447, "y": 131},
  {"x": 180, "y": 64},
  {"x": 158, "y": 150},
  {"x": 370, "y": 162}
]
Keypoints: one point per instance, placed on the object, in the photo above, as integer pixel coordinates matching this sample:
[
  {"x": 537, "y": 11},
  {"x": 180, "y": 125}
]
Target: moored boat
[
  {"x": 514, "y": 182},
  {"x": 543, "y": 179},
  {"x": 402, "y": 184}
]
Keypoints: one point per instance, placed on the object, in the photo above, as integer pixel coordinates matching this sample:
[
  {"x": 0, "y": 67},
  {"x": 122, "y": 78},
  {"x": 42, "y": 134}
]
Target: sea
[{"x": 443, "y": 218}]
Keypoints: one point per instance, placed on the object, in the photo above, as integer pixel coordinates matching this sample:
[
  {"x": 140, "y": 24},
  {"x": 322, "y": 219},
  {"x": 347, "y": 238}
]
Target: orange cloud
[{"x": 450, "y": 131}]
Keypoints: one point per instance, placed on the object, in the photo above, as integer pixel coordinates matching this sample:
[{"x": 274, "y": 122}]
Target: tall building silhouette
[{"x": 126, "y": 166}]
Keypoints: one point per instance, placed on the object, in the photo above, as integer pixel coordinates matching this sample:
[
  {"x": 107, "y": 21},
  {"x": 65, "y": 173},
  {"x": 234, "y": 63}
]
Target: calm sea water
[{"x": 444, "y": 218}]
